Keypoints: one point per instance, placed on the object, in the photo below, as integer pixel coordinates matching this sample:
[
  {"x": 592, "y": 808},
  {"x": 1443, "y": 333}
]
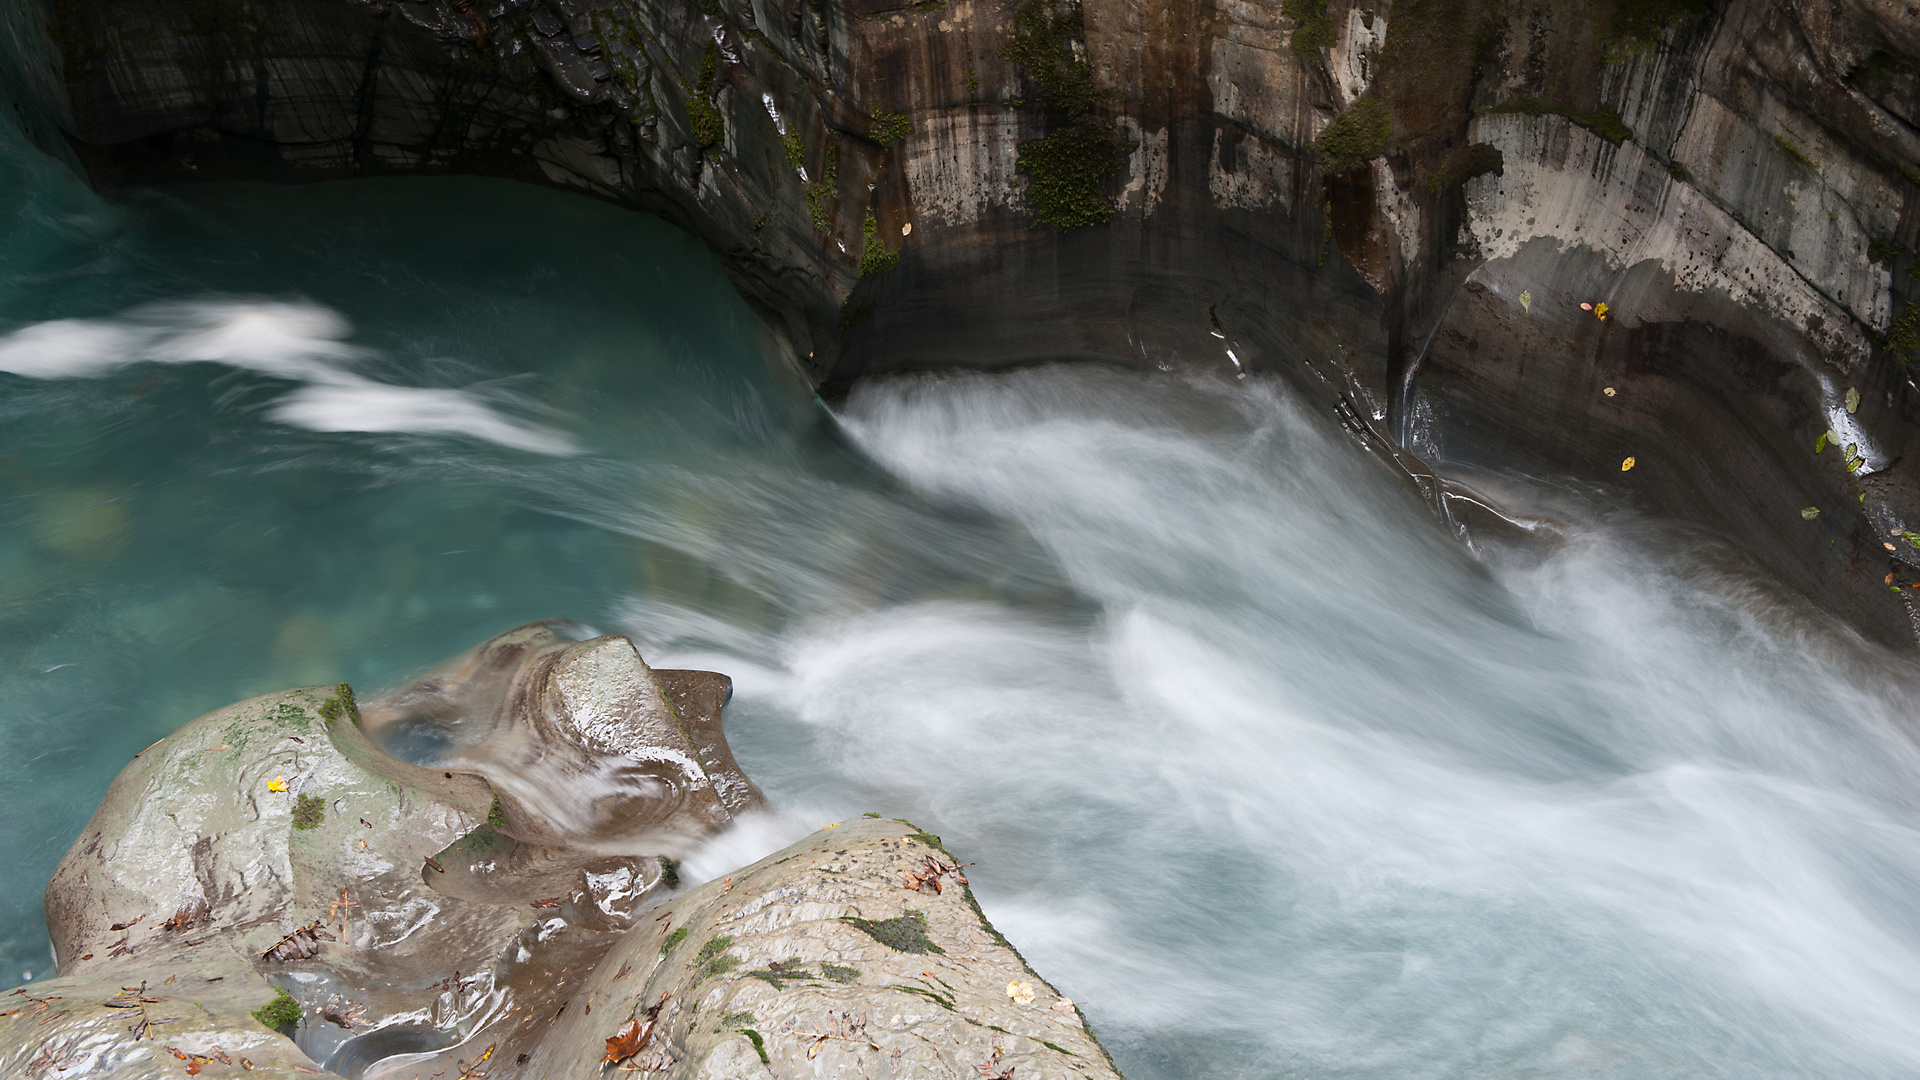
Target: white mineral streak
[
  {"x": 1146, "y": 168},
  {"x": 1810, "y": 216},
  {"x": 1355, "y": 54},
  {"x": 1562, "y": 182},
  {"x": 962, "y": 163},
  {"x": 1247, "y": 174}
]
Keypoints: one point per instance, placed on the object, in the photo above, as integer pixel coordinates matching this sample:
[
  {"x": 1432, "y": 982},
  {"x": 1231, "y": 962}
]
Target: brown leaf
[{"x": 627, "y": 1041}]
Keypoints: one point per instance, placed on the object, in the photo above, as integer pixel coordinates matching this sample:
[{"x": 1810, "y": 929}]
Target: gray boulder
[{"x": 475, "y": 874}]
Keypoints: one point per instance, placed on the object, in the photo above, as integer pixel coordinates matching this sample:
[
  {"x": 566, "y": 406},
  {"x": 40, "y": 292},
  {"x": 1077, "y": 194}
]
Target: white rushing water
[{"x": 1306, "y": 791}]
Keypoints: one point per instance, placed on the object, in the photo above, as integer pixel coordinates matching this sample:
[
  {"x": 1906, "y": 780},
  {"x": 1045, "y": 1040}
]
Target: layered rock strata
[{"x": 1399, "y": 206}]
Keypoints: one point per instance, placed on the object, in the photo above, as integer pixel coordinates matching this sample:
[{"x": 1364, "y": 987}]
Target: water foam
[
  {"x": 300, "y": 342},
  {"x": 1310, "y": 792}
]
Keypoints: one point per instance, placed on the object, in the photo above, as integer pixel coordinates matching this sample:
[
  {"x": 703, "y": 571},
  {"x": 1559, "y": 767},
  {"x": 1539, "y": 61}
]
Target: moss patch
[
  {"x": 711, "y": 960},
  {"x": 796, "y": 147},
  {"x": 874, "y": 256},
  {"x": 1903, "y": 337},
  {"x": 1883, "y": 251},
  {"x": 705, "y": 121},
  {"x": 821, "y": 192},
  {"x": 1042, "y": 42},
  {"x": 1602, "y": 122},
  {"x": 759, "y": 1045},
  {"x": 838, "y": 973},
  {"x": 1793, "y": 151},
  {"x": 1065, "y": 170},
  {"x": 890, "y": 127},
  {"x": 281, "y": 1012},
  {"x": 309, "y": 812},
  {"x": 906, "y": 933},
  {"x": 1313, "y": 28},
  {"x": 1637, "y": 26},
  {"x": 496, "y": 814},
  {"x": 1359, "y": 133},
  {"x": 778, "y": 973},
  {"x": 679, "y": 935},
  {"x": 341, "y": 704},
  {"x": 670, "y": 873},
  {"x": 1464, "y": 164}
]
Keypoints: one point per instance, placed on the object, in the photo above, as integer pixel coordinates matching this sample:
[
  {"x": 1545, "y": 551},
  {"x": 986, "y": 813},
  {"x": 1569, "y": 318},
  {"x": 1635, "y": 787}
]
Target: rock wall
[{"x": 1399, "y": 206}]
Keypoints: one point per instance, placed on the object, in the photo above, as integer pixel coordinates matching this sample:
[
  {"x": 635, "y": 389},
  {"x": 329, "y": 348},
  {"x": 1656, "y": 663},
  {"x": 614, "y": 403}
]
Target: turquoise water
[{"x": 1253, "y": 757}]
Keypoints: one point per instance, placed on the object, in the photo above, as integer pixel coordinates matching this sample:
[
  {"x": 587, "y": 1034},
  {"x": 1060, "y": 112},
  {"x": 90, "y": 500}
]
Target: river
[{"x": 1252, "y": 755}]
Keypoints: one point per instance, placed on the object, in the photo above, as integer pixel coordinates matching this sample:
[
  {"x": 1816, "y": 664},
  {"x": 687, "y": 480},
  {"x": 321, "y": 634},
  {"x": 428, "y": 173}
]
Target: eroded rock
[{"x": 493, "y": 897}]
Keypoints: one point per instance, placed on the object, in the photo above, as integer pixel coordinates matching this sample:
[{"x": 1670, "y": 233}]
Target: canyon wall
[{"x": 1400, "y": 207}]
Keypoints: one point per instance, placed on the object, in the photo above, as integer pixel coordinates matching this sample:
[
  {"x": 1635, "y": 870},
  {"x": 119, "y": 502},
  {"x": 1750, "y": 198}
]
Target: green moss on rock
[
  {"x": 1464, "y": 164},
  {"x": 1354, "y": 137},
  {"x": 1065, "y": 170},
  {"x": 1043, "y": 42},
  {"x": 1638, "y": 26},
  {"x": 281, "y": 1012},
  {"x": 1313, "y": 28},
  {"x": 1903, "y": 337},
  {"x": 890, "y": 127},
  {"x": 342, "y": 704},
  {"x": 874, "y": 256},
  {"x": 309, "y": 812},
  {"x": 906, "y": 933},
  {"x": 705, "y": 121}
]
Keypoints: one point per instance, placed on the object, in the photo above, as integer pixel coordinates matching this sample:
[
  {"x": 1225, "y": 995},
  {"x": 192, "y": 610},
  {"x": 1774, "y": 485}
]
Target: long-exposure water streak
[{"x": 1254, "y": 757}]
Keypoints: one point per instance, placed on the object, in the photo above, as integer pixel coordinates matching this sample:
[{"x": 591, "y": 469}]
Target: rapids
[{"x": 1253, "y": 756}]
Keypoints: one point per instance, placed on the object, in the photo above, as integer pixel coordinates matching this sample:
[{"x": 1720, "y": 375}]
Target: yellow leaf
[
  {"x": 1600, "y": 309},
  {"x": 278, "y": 783},
  {"x": 1627, "y": 464},
  {"x": 1020, "y": 992},
  {"x": 1608, "y": 391},
  {"x": 1526, "y": 299}
]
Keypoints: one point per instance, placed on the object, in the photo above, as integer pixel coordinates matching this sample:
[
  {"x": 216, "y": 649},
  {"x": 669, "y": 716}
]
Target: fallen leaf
[
  {"x": 1586, "y": 307},
  {"x": 1889, "y": 547},
  {"x": 1809, "y": 513},
  {"x": 1600, "y": 309},
  {"x": 830, "y": 825},
  {"x": 1021, "y": 992},
  {"x": 1820, "y": 443},
  {"x": 1608, "y": 391},
  {"x": 1889, "y": 580},
  {"x": 1853, "y": 401},
  {"x": 1526, "y": 299},
  {"x": 1627, "y": 464},
  {"x": 1064, "y": 1005},
  {"x": 278, "y": 783},
  {"x": 627, "y": 1041}
]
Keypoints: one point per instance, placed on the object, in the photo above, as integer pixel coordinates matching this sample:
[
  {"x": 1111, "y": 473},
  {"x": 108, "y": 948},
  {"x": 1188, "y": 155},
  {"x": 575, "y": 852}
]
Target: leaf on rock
[
  {"x": 1625, "y": 465},
  {"x": 1809, "y": 513},
  {"x": 1853, "y": 401},
  {"x": 1020, "y": 992},
  {"x": 1820, "y": 443},
  {"x": 627, "y": 1042},
  {"x": 278, "y": 783},
  {"x": 1526, "y": 299}
]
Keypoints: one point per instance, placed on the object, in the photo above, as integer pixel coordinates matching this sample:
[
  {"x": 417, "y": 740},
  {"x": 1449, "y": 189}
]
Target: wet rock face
[
  {"x": 839, "y": 956},
  {"x": 1740, "y": 182},
  {"x": 274, "y": 843}
]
